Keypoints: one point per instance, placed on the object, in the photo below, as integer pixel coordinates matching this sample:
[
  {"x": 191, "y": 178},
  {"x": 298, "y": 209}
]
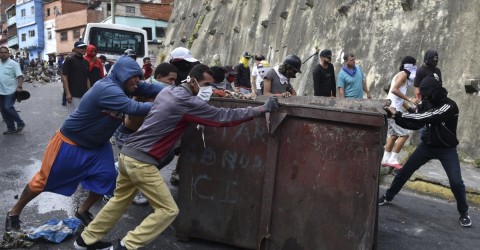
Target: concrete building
[
  {"x": 30, "y": 28},
  {"x": 70, "y": 28},
  {"x": 53, "y": 9},
  {"x": 152, "y": 17},
  {"x": 4, "y": 5}
]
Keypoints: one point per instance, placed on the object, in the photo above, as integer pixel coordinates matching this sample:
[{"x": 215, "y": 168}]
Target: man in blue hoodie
[{"x": 80, "y": 152}]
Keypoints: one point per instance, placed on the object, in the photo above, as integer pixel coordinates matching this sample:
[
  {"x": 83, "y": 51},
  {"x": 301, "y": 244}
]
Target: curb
[{"x": 430, "y": 188}]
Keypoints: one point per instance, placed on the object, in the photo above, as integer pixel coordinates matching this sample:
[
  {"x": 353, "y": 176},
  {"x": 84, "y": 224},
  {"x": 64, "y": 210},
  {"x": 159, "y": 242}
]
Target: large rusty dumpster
[{"x": 308, "y": 181}]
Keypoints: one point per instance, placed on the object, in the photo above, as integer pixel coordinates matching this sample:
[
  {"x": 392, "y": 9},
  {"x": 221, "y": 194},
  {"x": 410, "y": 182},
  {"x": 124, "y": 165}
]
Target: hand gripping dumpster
[{"x": 308, "y": 181}]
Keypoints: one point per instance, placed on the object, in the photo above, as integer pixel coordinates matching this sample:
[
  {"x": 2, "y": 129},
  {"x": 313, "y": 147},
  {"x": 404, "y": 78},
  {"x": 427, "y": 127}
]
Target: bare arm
[
  {"x": 68, "y": 95},
  {"x": 20, "y": 82},
  {"x": 254, "y": 84},
  {"x": 364, "y": 83},
  {"x": 417, "y": 93},
  {"x": 341, "y": 92}
]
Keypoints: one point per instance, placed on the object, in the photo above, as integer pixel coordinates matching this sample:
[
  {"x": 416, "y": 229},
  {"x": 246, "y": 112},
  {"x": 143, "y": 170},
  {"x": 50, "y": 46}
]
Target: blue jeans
[
  {"x": 9, "y": 114},
  {"x": 449, "y": 159}
]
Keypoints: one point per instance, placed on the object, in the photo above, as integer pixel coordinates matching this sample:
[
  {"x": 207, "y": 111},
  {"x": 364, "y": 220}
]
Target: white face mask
[
  {"x": 413, "y": 70},
  {"x": 204, "y": 92}
]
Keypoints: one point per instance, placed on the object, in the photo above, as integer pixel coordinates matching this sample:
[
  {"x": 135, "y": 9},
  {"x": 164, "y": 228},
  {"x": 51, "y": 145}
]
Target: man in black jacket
[{"x": 440, "y": 116}]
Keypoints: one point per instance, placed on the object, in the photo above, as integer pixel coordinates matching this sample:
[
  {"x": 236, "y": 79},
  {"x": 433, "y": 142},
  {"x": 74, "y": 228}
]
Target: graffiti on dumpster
[
  {"x": 222, "y": 155},
  {"x": 229, "y": 159},
  {"x": 225, "y": 160},
  {"x": 204, "y": 179},
  {"x": 243, "y": 131}
]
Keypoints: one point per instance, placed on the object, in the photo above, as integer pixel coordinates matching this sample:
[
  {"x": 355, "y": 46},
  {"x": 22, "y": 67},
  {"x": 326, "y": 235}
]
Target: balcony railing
[
  {"x": 12, "y": 21},
  {"x": 12, "y": 41}
]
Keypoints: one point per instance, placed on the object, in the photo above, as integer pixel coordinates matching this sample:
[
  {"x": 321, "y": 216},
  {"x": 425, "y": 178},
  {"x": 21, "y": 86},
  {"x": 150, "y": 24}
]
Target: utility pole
[{"x": 112, "y": 11}]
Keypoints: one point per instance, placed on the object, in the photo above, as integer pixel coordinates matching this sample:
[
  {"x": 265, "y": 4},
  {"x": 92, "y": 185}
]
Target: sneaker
[
  {"x": 120, "y": 246},
  {"x": 10, "y": 132},
  {"x": 105, "y": 199},
  {"x": 86, "y": 217},
  {"x": 19, "y": 129},
  {"x": 174, "y": 178},
  {"x": 12, "y": 223},
  {"x": 99, "y": 245},
  {"x": 383, "y": 200},
  {"x": 465, "y": 220},
  {"x": 394, "y": 164},
  {"x": 140, "y": 199}
]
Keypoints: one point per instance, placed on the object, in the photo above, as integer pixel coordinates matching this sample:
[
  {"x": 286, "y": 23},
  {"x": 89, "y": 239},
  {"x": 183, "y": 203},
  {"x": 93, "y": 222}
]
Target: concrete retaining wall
[{"x": 380, "y": 33}]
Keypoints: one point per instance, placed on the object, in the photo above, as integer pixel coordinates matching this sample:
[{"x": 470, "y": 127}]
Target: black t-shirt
[
  {"x": 76, "y": 69},
  {"x": 324, "y": 81},
  {"x": 243, "y": 76},
  {"x": 425, "y": 71}
]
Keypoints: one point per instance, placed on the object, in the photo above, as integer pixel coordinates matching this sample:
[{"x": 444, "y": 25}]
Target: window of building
[
  {"x": 48, "y": 12},
  {"x": 109, "y": 7},
  {"x": 149, "y": 32},
  {"x": 31, "y": 33},
  {"x": 32, "y": 10},
  {"x": 130, "y": 9},
  {"x": 24, "y": 37},
  {"x": 76, "y": 33},
  {"x": 23, "y": 13},
  {"x": 63, "y": 36},
  {"x": 49, "y": 35},
  {"x": 160, "y": 31}
]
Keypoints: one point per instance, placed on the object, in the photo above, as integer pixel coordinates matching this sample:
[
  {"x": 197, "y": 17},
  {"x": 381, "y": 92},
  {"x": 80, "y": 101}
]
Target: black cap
[
  {"x": 21, "y": 95},
  {"x": 79, "y": 44},
  {"x": 326, "y": 53},
  {"x": 247, "y": 55}
]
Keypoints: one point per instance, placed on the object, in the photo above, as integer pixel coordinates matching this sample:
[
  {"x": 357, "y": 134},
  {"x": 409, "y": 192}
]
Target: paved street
[{"x": 411, "y": 222}]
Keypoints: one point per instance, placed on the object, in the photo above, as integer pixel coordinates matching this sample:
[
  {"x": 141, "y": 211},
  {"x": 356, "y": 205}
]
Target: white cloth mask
[
  {"x": 204, "y": 92},
  {"x": 412, "y": 69}
]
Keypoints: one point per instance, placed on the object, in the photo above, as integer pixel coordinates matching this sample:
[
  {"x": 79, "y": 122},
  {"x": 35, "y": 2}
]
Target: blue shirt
[
  {"x": 352, "y": 85},
  {"x": 9, "y": 73}
]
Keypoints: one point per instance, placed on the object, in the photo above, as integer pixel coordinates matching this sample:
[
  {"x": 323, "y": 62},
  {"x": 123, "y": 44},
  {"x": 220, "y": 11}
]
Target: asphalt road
[{"x": 411, "y": 222}]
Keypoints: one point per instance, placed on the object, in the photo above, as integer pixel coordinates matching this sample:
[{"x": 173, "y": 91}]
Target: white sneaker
[
  {"x": 385, "y": 158},
  {"x": 140, "y": 199}
]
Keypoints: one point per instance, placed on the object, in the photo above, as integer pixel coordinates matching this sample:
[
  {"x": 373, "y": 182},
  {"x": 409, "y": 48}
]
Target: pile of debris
[{"x": 39, "y": 74}]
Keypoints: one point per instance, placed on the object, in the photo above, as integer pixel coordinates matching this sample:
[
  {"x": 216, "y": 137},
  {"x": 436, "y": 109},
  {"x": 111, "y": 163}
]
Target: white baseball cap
[{"x": 182, "y": 53}]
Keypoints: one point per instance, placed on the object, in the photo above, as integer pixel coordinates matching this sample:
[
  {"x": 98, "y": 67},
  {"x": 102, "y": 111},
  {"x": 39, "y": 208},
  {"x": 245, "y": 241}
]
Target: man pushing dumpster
[{"x": 150, "y": 148}]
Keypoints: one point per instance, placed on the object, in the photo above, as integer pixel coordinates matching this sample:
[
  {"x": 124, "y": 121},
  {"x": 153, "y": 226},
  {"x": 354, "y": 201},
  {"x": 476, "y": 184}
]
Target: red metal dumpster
[{"x": 310, "y": 181}]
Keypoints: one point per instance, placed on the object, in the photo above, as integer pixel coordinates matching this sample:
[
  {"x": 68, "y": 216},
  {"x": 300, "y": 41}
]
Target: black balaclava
[
  {"x": 431, "y": 58},
  {"x": 432, "y": 91}
]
